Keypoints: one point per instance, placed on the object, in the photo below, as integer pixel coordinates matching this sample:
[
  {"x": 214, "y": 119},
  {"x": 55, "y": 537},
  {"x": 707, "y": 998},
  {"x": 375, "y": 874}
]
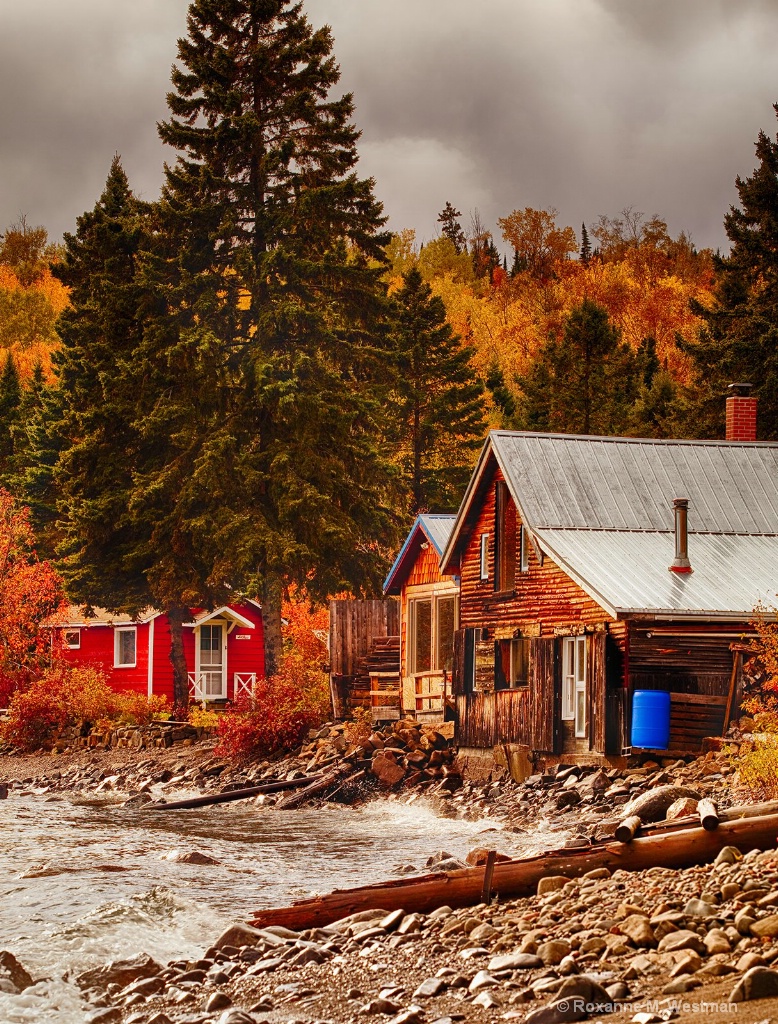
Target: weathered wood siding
[
  {"x": 353, "y": 626},
  {"x": 544, "y": 604},
  {"x": 544, "y": 596},
  {"x": 486, "y": 719},
  {"x": 681, "y": 658}
]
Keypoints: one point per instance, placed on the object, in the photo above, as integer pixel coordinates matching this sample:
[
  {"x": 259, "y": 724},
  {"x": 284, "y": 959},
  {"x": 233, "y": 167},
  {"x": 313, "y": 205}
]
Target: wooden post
[
  {"x": 732, "y": 688},
  {"x": 488, "y": 872},
  {"x": 709, "y": 815},
  {"x": 625, "y": 831}
]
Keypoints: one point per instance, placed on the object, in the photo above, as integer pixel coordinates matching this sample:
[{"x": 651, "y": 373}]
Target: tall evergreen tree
[
  {"x": 91, "y": 420},
  {"x": 438, "y": 402},
  {"x": 584, "y": 382},
  {"x": 269, "y": 458},
  {"x": 448, "y": 218},
  {"x": 585, "y": 252},
  {"x": 10, "y": 402},
  {"x": 739, "y": 341}
]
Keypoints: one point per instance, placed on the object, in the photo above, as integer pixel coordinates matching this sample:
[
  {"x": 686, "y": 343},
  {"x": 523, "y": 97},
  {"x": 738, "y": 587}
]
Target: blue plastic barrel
[{"x": 651, "y": 719}]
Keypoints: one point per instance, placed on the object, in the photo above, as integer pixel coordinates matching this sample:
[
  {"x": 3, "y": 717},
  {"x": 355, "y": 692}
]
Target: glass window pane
[
  {"x": 422, "y": 636},
  {"x": 127, "y": 647},
  {"x": 580, "y": 712},
  {"x": 445, "y": 633}
]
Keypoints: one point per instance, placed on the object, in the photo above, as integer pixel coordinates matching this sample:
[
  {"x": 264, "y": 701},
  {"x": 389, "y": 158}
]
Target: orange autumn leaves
[
  {"x": 642, "y": 276},
  {"x": 30, "y": 592}
]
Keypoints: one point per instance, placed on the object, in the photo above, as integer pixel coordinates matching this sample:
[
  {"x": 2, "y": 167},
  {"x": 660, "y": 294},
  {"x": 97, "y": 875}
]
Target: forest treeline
[{"x": 249, "y": 383}]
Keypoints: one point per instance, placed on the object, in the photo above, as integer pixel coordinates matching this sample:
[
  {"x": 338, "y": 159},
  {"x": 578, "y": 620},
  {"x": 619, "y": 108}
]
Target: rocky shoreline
[
  {"x": 657, "y": 942},
  {"x": 619, "y": 944}
]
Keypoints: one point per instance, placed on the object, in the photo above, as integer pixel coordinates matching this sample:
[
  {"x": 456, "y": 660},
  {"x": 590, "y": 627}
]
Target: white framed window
[
  {"x": 420, "y": 646},
  {"x": 73, "y": 639},
  {"x": 574, "y": 683},
  {"x": 523, "y": 550},
  {"x": 484, "y": 556},
  {"x": 125, "y": 647}
]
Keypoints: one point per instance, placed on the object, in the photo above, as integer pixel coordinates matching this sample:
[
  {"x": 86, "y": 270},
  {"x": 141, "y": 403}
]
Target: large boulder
[{"x": 119, "y": 972}]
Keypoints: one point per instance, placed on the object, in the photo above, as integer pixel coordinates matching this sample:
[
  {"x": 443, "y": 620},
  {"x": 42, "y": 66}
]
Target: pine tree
[
  {"x": 585, "y": 252},
  {"x": 739, "y": 341},
  {"x": 584, "y": 382},
  {"x": 10, "y": 401},
  {"x": 438, "y": 403},
  {"x": 37, "y": 442},
  {"x": 448, "y": 219},
  {"x": 269, "y": 448},
  {"x": 91, "y": 419}
]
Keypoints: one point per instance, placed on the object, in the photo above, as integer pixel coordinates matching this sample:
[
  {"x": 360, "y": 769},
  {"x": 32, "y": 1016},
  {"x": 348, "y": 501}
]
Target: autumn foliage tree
[
  {"x": 538, "y": 243},
  {"x": 30, "y": 593}
]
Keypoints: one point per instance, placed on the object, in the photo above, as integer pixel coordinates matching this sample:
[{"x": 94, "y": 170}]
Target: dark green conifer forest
[{"x": 248, "y": 383}]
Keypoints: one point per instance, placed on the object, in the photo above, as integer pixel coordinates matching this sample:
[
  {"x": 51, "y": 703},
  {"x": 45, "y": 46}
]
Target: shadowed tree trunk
[
  {"x": 271, "y": 622},
  {"x": 177, "y": 615}
]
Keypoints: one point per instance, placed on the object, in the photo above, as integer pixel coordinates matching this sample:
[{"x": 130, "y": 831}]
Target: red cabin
[{"x": 224, "y": 650}]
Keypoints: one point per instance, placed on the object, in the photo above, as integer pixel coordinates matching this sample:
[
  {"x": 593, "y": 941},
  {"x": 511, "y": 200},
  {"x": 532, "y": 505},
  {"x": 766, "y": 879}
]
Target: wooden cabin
[
  {"x": 429, "y": 607},
  {"x": 582, "y": 580},
  {"x": 224, "y": 650}
]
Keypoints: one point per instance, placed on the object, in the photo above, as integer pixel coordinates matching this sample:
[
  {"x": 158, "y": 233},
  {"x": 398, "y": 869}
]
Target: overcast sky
[{"x": 586, "y": 105}]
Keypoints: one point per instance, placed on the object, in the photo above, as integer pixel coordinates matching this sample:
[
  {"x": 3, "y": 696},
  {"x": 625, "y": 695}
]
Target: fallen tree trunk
[
  {"x": 234, "y": 794},
  {"x": 691, "y": 821},
  {"x": 514, "y": 878},
  {"x": 317, "y": 786}
]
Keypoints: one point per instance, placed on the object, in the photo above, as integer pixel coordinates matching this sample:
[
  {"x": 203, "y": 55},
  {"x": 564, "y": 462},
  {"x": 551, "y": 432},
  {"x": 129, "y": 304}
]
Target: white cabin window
[
  {"x": 124, "y": 647},
  {"x": 484, "y": 556},
  {"x": 574, "y": 683},
  {"x": 73, "y": 639}
]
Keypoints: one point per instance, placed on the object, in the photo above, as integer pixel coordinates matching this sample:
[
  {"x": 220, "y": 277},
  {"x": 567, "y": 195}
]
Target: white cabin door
[{"x": 212, "y": 661}]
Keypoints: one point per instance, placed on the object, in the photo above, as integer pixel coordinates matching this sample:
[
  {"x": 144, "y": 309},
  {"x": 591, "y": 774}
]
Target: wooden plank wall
[
  {"x": 353, "y": 625},
  {"x": 687, "y": 661},
  {"x": 486, "y": 719},
  {"x": 544, "y": 594}
]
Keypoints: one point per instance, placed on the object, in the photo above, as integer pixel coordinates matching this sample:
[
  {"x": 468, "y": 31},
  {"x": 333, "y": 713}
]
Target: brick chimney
[{"x": 741, "y": 413}]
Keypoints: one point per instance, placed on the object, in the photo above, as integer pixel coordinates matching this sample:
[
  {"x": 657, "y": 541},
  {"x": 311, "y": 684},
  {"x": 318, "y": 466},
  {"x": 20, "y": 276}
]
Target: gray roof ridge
[{"x": 664, "y": 441}]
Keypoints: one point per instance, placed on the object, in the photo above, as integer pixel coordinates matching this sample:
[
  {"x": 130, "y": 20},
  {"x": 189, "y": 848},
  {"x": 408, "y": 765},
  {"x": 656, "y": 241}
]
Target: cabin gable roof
[
  {"x": 601, "y": 507},
  {"x": 431, "y": 528}
]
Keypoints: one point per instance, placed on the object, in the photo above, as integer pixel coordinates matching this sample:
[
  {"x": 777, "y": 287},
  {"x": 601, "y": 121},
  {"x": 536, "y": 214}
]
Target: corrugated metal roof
[
  {"x": 627, "y": 573},
  {"x": 605, "y": 483},
  {"x": 436, "y": 528},
  {"x": 602, "y": 508}
]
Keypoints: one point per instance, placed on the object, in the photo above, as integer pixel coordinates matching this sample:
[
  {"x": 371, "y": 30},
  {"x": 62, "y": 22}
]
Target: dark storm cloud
[{"x": 586, "y": 105}]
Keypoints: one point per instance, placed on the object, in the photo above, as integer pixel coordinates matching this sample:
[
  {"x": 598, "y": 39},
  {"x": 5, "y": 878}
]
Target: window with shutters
[{"x": 512, "y": 664}]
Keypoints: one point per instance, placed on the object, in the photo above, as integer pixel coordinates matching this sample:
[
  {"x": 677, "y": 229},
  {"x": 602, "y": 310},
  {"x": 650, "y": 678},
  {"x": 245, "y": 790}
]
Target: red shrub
[{"x": 277, "y": 717}]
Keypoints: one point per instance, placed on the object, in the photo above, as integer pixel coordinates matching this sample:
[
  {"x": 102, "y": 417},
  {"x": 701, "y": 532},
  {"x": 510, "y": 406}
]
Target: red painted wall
[{"x": 97, "y": 649}]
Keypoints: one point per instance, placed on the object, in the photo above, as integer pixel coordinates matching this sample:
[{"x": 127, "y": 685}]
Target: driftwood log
[
  {"x": 233, "y": 794},
  {"x": 708, "y": 815},
  {"x": 626, "y": 829},
  {"x": 676, "y": 849},
  {"x": 317, "y": 785},
  {"x": 653, "y": 805}
]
